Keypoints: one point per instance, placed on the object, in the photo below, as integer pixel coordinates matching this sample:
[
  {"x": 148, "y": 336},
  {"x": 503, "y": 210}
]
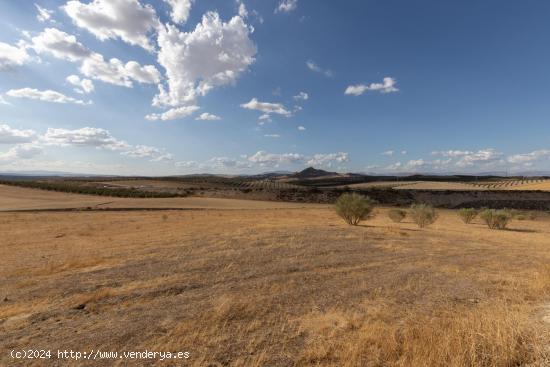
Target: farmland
[{"x": 269, "y": 283}]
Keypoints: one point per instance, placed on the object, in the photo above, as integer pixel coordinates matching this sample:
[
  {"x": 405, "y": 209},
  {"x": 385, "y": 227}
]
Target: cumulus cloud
[
  {"x": 45, "y": 95},
  {"x": 213, "y": 54},
  {"x": 266, "y": 108},
  {"x": 180, "y": 10},
  {"x": 275, "y": 136},
  {"x": 110, "y": 19},
  {"x": 328, "y": 159},
  {"x": 84, "y": 137},
  {"x": 264, "y": 158},
  {"x": 451, "y": 153},
  {"x": 91, "y": 137},
  {"x": 208, "y": 117},
  {"x": 82, "y": 85},
  {"x": 187, "y": 164},
  {"x": 388, "y": 153},
  {"x": 484, "y": 156},
  {"x": 116, "y": 72},
  {"x": 9, "y": 135},
  {"x": 11, "y": 56},
  {"x": 173, "y": 114},
  {"x": 387, "y": 86},
  {"x": 65, "y": 46},
  {"x": 43, "y": 13},
  {"x": 21, "y": 151},
  {"x": 316, "y": 68},
  {"x": 529, "y": 157},
  {"x": 301, "y": 128},
  {"x": 286, "y": 6},
  {"x": 60, "y": 44},
  {"x": 302, "y": 96}
]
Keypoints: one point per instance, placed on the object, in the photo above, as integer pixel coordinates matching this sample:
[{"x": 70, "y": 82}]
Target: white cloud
[
  {"x": 116, "y": 72},
  {"x": 11, "y": 56},
  {"x": 84, "y": 137},
  {"x": 328, "y": 159},
  {"x": 83, "y": 85},
  {"x": 275, "y": 136},
  {"x": 3, "y": 101},
  {"x": 388, "y": 153},
  {"x": 451, "y": 153},
  {"x": 21, "y": 151},
  {"x": 164, "y": 157},
  {"x": 286, "y": 6},
  {"x": 215, "y": 53},
  {"x": 243, "y": 13},
  {"x": 302, "y": 96},
  {"x": 484, "y": 156},
  {"x": 9, "y": 135},
  {"x": 110, "y": 19},
  {"x": 205, "y": 116},
  {"x": 404, "y": 152},
  {"x": 266, "y": 107},
  {"x": 173, "y": 114},
  {"x": 187, "y": 164},
  {"x": 270, "y": 159},
  {"x": 46, "y": 96},
  {"x": 301, "y": 128},
  {"x": 316, "y": 68},
  {"x": 65, "y": 46},
  {"x": 60, "y": 44},
  {"x": 387, "y": 86},
  {"x": 142, "y": 151},
  {"x": 43, "y": 14},
  {"x": 180, "y": 10},
  {"x": 529, "y": 157}
]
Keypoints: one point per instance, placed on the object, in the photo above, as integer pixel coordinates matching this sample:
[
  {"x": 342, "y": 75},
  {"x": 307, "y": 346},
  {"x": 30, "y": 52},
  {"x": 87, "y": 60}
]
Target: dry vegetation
[{"x": 276, "y": 287}]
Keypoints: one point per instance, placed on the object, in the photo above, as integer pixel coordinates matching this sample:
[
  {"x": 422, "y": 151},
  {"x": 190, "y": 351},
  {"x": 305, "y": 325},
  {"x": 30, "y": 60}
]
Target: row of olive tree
[{"x": 354, "y": 208}]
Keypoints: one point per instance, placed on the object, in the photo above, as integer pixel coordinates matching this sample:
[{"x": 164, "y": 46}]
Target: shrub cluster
[
  {"x": 467, "y": 214},
  {"x": 397, "y": 215},
  {"x": 353, "y": 207},
  {"x": 496, "y": 219},
  {"x": 423, "y": 214}
]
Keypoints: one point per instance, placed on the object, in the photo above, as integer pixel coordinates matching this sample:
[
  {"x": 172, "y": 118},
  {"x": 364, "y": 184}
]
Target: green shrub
[
  {"x": 397, "y": 215},
  {"x": 496, "y": 219},
  {"x": 423, "y": 214},
  {"x": 353, "y": 207},
  {"x": 467, "y": 214}
]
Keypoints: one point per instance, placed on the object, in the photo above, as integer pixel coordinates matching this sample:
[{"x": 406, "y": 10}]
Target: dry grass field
[
  {"x": 17, "y": 198},
  {"x": 275, "y": 287}
]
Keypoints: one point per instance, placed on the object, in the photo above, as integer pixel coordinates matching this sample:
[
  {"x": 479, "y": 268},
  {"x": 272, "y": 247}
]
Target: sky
[{"x": 170, "y": 87}]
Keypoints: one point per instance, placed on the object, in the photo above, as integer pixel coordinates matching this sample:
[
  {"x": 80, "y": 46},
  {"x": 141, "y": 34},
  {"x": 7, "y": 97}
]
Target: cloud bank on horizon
[{"x": 183, "y": 86}]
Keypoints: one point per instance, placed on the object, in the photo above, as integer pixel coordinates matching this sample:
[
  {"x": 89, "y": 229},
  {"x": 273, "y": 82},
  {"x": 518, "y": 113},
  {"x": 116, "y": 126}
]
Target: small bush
[
  {"x": 496, "y": 219},
  {"x": 354, "y": 208},
  {"x": 467, "y": 214},
  {"x": 423, "y": 214},
  {"x": 397, "y": 215}
]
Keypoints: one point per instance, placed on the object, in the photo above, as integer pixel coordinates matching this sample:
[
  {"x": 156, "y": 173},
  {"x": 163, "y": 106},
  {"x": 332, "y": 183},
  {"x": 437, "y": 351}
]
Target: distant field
[
  {"x": 543, "y": 186},
  {"x": 274, "y": 288},
  {"x": 18, "y": 198},
  {"x": 427, "y": 185}
]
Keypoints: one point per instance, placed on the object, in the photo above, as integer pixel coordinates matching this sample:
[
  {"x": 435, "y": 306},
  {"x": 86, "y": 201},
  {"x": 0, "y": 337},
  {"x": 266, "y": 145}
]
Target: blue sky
[{"x": 180, "y": 86}]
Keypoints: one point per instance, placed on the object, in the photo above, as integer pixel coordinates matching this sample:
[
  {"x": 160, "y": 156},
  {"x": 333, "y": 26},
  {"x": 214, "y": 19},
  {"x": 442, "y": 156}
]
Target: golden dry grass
[
  {"x": 543, "y": 186},
  {"x": 18, "y": 198},
  {"x": 276, "y": 287}
]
